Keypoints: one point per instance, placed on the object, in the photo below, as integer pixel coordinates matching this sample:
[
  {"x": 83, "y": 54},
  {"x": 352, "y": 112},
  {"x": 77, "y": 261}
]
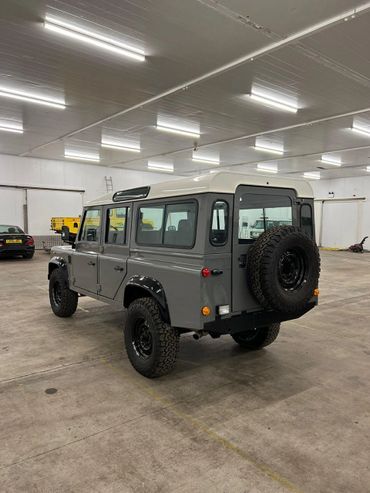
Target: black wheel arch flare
[
  {"x": 139, "y": 286},
  {"x": 56, "y": 263}
]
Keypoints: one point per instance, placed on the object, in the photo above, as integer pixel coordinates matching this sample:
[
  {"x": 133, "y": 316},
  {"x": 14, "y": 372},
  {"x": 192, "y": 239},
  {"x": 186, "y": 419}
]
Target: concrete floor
[{"x": 294, "y": 417}]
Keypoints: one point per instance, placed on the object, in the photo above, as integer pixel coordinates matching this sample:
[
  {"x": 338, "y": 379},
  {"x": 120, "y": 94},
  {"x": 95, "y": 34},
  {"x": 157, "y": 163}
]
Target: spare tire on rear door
[{"x": 283, "y": 269}]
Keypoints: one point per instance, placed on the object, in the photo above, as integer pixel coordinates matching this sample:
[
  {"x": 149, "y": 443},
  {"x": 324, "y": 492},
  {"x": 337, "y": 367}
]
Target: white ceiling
[{"x": 302, "y": 49}]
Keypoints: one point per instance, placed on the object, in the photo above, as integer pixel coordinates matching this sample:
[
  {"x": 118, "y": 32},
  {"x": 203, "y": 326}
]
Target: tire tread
[
  {"x": 69, "y": 301},
  {"x": 168, "y": 339}
]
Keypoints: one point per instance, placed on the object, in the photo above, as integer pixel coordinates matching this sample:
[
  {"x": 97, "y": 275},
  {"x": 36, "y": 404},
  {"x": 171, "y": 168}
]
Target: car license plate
[{"x": 13, "y": 241}]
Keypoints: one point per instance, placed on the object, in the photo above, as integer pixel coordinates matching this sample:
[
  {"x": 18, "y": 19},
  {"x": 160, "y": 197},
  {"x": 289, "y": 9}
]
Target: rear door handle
[
  {"x": 90, "y": 262},
  {"x": 242, "y": 260},
  {"x": 117, "y": 267}
]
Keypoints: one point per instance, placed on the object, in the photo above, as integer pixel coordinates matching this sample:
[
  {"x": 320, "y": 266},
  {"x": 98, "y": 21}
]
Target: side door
[
  {"x": 256, "y": 209},
  {"x": 113, "y": 259},
  {"x": 85, "y": 257}
]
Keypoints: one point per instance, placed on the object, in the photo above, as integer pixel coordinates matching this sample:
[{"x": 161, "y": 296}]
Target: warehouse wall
[
  {"x": 343, "y": 222},
  {"x": 42, "y": 172},
  {"x": 43, "y": 204}
]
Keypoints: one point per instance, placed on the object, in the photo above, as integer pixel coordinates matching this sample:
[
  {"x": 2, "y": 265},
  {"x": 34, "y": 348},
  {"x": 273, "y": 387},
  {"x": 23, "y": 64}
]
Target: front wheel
[
  {"x": 63, "y": 301},
  {"x": 257, "y": 338},
  {"x": 151, "y": 344}
]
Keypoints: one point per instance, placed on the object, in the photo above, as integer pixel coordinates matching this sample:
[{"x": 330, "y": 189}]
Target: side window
[
  {"x": 167, "y": 224},
  {"x": 258, "y": 212},
  {"x": 150, "y": 223},
  {"x": 180, "y": 224},
  {"x": 306, "y": 219},
  {"x": 219, "y": 223},
  {"x": 116, "y": 226},
  {"x": 90, "y": 230}
]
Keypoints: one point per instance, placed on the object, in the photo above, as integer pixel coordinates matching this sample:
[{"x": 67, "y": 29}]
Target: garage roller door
[
  {"x": 340, "y": 223},
  {"x": 11, "y": 206},
  {"x": 44, "y": 204}
]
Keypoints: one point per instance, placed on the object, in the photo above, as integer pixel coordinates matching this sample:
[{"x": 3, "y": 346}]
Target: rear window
[
  {"x": 169, "y": 225},
  {"x": 219, "y": 223},
  {"x": 257, "y": 213},
  {"x": 306, "y": 220},
  {"x": 5, "y": 229}
]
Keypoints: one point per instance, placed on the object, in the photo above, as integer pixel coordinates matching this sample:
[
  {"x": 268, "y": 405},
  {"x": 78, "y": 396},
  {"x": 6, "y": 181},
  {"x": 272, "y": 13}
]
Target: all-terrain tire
[
  {"x": 257, "y": 338},
  {"x": 63, "y": 301},
  {"x": 275, "y": 252},
  {"x": 151, "y": 344}
]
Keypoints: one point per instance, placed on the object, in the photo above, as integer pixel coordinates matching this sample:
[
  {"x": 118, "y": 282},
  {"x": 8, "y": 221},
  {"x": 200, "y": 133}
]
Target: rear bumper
[
  {"x": 245, "y": 321},
  {"x": 8, "y": 251}
]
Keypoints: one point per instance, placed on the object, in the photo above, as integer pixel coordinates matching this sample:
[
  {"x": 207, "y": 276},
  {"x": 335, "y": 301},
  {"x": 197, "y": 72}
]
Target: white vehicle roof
[{"x": 222, "y": 182}]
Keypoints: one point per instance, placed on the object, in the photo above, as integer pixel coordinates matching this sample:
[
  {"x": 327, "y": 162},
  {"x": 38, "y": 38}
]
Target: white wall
[
  {"x": 348, "y": 221},
  {"x": 43, "y": 172},
  {"x": 42, "y": 205}
]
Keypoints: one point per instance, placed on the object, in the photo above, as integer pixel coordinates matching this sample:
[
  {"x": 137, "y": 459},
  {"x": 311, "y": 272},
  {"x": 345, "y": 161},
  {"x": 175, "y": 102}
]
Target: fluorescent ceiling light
[
  {"x": 267, "y": 168},
  {"x": 312, "y": 175},
  {"x": 271, "y": 100},
  {"x": 7, "y": 92},
  {"x": 331, "y": 160},
  {"x": 361, "y": 130},
  {"x": 368, "y": 169},
  {"x": 168, "y": 167},
  {"x": 205, "y": 158},
  {"x": 267, "y": 147},
  {"x": 118, "y": 146},
  {"x": 82, "y": 156},
  {"x": 92, "y": 38},
  {"x": 10, "y": 127},
  {"x": 176, "y": 130},
  {"x": 206, "y": 161}
]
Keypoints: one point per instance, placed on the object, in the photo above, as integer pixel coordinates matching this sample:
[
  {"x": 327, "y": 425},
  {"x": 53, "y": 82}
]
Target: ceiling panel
[
  {"x": 285, "y": 16},
  {"x": 326, "y": 72}
]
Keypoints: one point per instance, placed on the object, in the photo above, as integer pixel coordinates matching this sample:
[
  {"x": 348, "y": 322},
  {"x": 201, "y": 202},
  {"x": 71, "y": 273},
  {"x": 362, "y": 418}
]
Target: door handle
[
  {"x": 117, "y": 267},
  {"x": 90, "y": 262},
  {"x": 242, "y": 260}
]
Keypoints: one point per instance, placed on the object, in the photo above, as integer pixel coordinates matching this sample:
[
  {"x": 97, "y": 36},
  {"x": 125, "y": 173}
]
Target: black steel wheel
[
  {"x": 257, "y": 338},
  {"x": 142, "y": 339},
  {"x": 151, "y": 344},
  {"x": 63, "y": 301},
  {"x": 291, "y": 268}
]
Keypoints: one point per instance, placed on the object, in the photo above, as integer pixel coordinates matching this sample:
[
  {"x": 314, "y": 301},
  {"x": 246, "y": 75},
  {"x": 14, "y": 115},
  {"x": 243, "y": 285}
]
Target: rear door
[
  {"x": 113, "y": 259},
  {"x": 255, "y": 210},
  {"x": 85, "y": 258}
]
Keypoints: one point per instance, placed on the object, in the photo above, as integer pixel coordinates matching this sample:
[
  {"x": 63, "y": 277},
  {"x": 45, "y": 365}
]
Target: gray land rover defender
[{"x": 180, "y": 257}]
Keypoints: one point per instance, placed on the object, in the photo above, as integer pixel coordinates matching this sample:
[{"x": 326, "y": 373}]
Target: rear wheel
[
  {"x": 151, "y": 344},
  {"x": 28, "y": 255},
  {"x": 257, "y": 338},
  {"x": 63, "y": 301}
]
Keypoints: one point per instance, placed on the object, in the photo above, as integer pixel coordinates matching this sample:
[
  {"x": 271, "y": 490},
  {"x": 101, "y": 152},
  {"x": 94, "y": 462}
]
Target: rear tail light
[{"x": 30, "y": 241}]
